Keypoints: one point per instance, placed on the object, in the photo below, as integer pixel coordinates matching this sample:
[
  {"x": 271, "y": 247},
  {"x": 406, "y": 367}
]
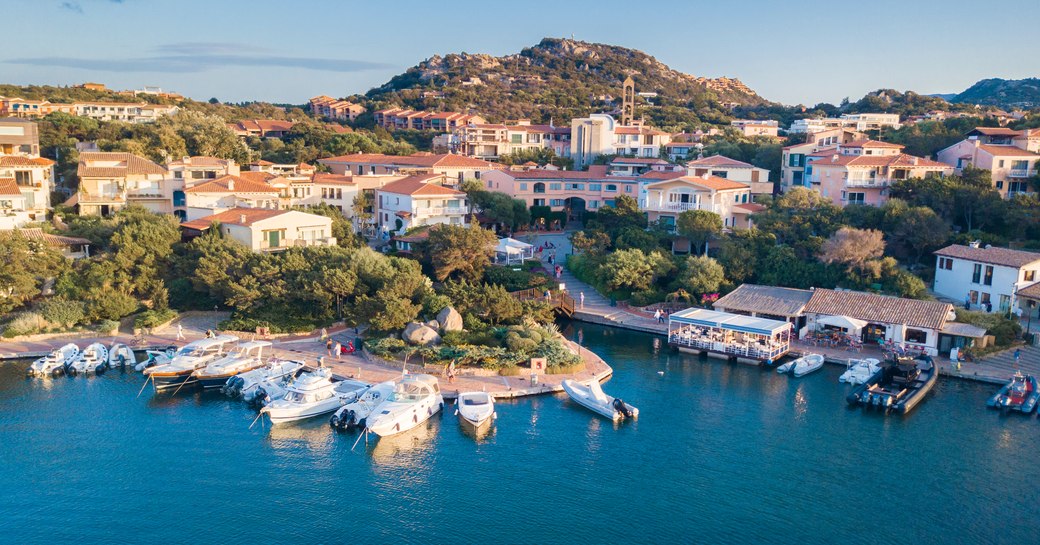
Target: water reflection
[
  {"x": 404, "y": 450},
  {"x": 313, "y": 434}
]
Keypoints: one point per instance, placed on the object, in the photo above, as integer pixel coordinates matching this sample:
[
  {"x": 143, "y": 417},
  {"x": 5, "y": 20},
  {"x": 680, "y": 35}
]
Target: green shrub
[
  {"x": 104, "y": 326},
  {"x": 555, "y": 353},
  {"x": 62, "y": 311},
  {"x": 515, "y": 280},
  {"x": 454, "y": 338},
  {"x": 24, "y": 323},
  {"x": 509, "y": 370},
  {"x": 152, "y": 318},
  {"x": 566, "y": 369},
  {"x": 647, "y": 297},
  {"x": 110, "y": 304},
  {"x": 1003, "y": 329},
  {"x": 387, "y": 347}
]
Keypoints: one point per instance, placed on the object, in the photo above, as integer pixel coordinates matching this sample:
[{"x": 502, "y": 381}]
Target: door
[{"x": 273, "y": 239}]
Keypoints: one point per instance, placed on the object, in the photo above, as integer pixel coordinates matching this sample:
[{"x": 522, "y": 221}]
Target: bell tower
[{"x": 628, "y": 102}]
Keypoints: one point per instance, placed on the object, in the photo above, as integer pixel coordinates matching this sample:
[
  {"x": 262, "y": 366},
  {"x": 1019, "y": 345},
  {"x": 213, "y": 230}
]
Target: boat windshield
[
  {"x": 474, "y": 402},
  {"x": 307, "y": 397},
  {"x": 407, "y": 393}
]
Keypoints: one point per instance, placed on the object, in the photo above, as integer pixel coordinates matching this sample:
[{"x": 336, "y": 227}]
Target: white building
[
  {"x": 600, "y": 134},
  {"x": 985, "y": 277},
  {"x": 267, "y": 230},
  {"x": 731, "y": 169},
  {"x": 227, "y": 192},
  {"x": 856, "y": 122},
  {"x": 419, "y": 200}
]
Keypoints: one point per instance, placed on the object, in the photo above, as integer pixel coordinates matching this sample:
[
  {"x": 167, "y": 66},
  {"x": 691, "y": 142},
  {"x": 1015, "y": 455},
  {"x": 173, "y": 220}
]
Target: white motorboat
[
  {"x": 807, "y": 364},
  {"x": 120, "y": 355},
  {"x": 355, "y": 414},
  {"x": 786, "y": 368},
  {"x": 475, "y": 409},
  {"x": 53, "y": 364},
  {"x": 192, "y": 356},
  {"x": 592, "y": 397},
  {"x": 313, "y": 394},
  {"x": 243, "y": 358},
  {"x": 860, "y": 371},
  {"x": 270, "y": 380},
  {"x": 415, "y": 399},
  {"x": 93, "y": 359},
  {"x": 156, "y": 357}
]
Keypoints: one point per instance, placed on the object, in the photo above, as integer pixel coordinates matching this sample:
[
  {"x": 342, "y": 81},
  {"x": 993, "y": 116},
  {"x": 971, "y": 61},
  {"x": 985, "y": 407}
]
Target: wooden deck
[{"x": 560, "y": 301}]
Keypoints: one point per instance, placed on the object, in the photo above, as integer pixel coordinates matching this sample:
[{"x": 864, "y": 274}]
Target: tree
[
  {"x": 624, "y": 213},
  {"x": 701, "y": 274},
  {"x": 921, "y": 230},
  {"x": 632, "y": 269},
  {"x": 341, "y": 227},
  {"x": 591, "y": 241},
  {"x": 141, "y": 247},
  {"x": 699, "y": 226},
  {"x": 363, "y": 211},
  {"x": 801, "y": 218},
  {"x": 457, "y": 250},
  {"x": 742, "y": 252},
  {"x": 857, "y": 249},
  {"x": 62, "y": 311},
  {"x": 24, "y": 266}
]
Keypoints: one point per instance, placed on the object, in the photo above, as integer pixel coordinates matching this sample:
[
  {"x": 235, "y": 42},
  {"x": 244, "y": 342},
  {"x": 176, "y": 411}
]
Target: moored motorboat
[
  {"x": 860, "y": 371},
  {"x": 355, "y": 414},
  {"x": 807, "y": 364},
  {"x": 476, "y": 410},
  {"x": 785, "y": 368},
  {"x": 414, "y": 400},
  {"x": 156, "y": 357},
  {"x": 243, "y": 358},
  {"x": 195, "y": 355},
  {"x": 313, "y": 394},
  {"x": 591, "y": 396},
  {"x": 93, "y": 359},
  {"x": 1019, "y": 394},
  {"x": 898, "y": 386},
  {"x": 54, "y": 363},
  {"x": 120, "y": 355},
  {"x": 269, "y": 380}
]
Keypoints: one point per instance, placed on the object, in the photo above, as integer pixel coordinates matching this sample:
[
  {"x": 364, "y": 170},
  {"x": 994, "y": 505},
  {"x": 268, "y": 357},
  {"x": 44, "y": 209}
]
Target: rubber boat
[
  {"x": 120, "y": 355},
  {"x": 269, "y": 380},
  {"x": 53, "y": 364},
  {"x": 355, "y": 414},
  {"x": 191, "y": 357},
  {"x": 860, "y": 371},
  {"x": 243, "y": 358},
  {"x": 93, "y": 359},
  {"x": 1020, "y": 394},
  {"x": 807, "y": 364},
  {"x": 898, "y": 386},
  {"x": 476, "y": 410},
  {"x": 414, "y": 400},
  {"x": 313, "y": 394},
  {"x": 156, "y": 357},
  {"x": 786, "y": 368},
  {"x": 590, "y": 395}
]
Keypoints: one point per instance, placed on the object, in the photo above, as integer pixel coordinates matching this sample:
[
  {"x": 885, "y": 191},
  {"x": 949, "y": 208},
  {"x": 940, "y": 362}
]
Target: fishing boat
[
  {"x": 273, "y": 378},
  {"x": 1020, "y": 394},
  {"x": 243, "y": 358},
  {"x": 476, "y": 410},
  {"x": 120, "y": 355},
  {"x": 860, "y": 371},
  {"x": 355, "y": 414},
  {"x": 414, "y": 400},
  {"x": 313, "y": 394},
  {"x": 786, "y": 368},
  {"x": 156, "y": 357},
  {"x": 807, "y": 364},
  {"x": 180, "y": 371},
  {"x": 93, "y": 359},
  {"x": 592, "y": 397},
  {"x": 53, "y": 364},
  {"x": 900, "y": 384}
]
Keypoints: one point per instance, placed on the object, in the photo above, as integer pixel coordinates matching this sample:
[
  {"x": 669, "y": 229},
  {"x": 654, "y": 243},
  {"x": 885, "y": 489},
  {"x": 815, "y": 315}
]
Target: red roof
[
  {"x": 640, "y": 161},
  {"x": 443, "y": 160},
  {"x": 9, "y": 187},
  {"x": 714, "y": 183},
  {"x": 232, "y": 184},
  {"x": 20, "y": 161},
  {"x": 897, "y": 160},
  {"x": 867, "y": 143},
  {"x": 332, "y": 179},
  {"x": 236, "y": 216},
  {"x": 719, "y": 161},
  {"x": 995, "y": 131},
  {"x": 127, "y": 164},
  {"x": 1006, "y": 151},
  {"x": 420, "y": 185}
]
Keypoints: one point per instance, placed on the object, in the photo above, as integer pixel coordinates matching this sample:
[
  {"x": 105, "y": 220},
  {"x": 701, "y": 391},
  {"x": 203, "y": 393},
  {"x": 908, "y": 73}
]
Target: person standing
[
  {"x": 324, "y": 334},
  {"x": 581, "y": 300},
  {"x": 337, "y": 348},
  {"x": 657, "y": 315},
  {"x": 328, "y": 345},
  {"x": 1018, "y": 356},
  {"x": 180, "y": 332}
]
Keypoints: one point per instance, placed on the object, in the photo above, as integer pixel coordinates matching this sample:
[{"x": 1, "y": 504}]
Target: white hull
[
  {"x": 92, "y": 357},
  {"x": 365, "y": 405},
  {"x": 281, "y": 416},
  {"x": 807, "y": 364},
  {"x": 591, "y": 397},
  {"x": 121, "y": 356},
  {"x": 860, "y": 372},
  {"x": 55, "y": 362},
  {"x": 272, "y": 378},
  {"x": 415, "y": 399},
  {"x": 313, "y": 394},
  {"x": 475, "y": 409}
]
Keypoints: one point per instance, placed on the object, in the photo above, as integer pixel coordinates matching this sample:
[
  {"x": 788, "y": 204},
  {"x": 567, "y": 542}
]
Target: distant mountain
[
  {"x": 1004, "y": 93},
  {"x": 559, "y": 79},
  {"x": 945, "y": 96}
]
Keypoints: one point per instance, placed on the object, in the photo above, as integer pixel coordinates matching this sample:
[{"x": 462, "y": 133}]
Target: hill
[
  {"x": 559, "y": 79},
  {"x": 1004, "y": 93}
]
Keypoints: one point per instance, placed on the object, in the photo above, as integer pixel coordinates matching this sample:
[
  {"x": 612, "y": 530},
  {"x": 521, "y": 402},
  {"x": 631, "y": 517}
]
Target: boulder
[
  {"x": 420, "y": 334},
  {"x": 434, "y": 324},
  {"x": 449, "y": 319}
]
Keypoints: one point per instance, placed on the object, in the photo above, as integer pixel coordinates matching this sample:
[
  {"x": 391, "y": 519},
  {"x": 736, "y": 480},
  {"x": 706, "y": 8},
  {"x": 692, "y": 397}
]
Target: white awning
[{"x": 844, "y": 322}]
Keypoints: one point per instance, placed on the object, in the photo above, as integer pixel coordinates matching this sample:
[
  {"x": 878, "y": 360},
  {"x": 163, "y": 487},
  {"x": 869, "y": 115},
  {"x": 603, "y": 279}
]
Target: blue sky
[{"x": 290, "y": 50}]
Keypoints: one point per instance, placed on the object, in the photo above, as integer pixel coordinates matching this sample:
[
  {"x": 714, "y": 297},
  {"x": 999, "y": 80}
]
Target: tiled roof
[
  {"x": 201, "y": 161},
  {"x": 896, "y": 160},
  {"x": 235, "y": 216},
  {"x": 719, "y": 161},
  {"x": 1031, "y": 291},
  {"x": 994, "y": 255},
  {"x": 995, "y": 131},
  {"x": 332, "y": 179},
  {"x": 420, "y": 185},
  {"x": 36, "y": 233},
  {"x": 257, "y": 176},
  {"x": 264, "y": 125},
  {"x": 1006, "y": 151},
  {"x": 542, "y": 174},
  {"x": 639, "y": 161},
  {"x": 9, "y": 187},
  {"x": 20, "y": 161},
  {"x": 658, "y": 175},
  {"x": 765, "y": 299},
  {"x": 232, "y": 184},
  {"x": 751, "y": 207},
  {"x": 879, "y": 308},
  {"x": 963, "y": 330},
  {"x": 639, "y": 130},
  {"x": 714, "y": 183},
  {"x": 867, "y": 143},
  {"x": 129, "y": 165}
]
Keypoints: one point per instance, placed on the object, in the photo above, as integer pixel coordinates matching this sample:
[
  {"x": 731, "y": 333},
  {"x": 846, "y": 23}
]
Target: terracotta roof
[
  {"x": 20, "y": 161},
  {"x": 9, "y": 187},
  {"x": 262, "y": 163},
  {"x": 867, "y": 143},
  {"x": 257, "y": 176},
  {"x": 417, "y": 236},
  {"x": 714, "y": 183},
  {"x": 879, "y": 308},
  {"x": 661, "y": 175},
  {"x": 129, "y": 165},
  {"x": 751, "y": 207},
  {"x": 825, "y": 152},
  {"x": 332, "y": 179},
  {"x": 36, "y": 233},
  {"x": 1006, "y": 151},
  {"x": 639, "y": 130},
  {"x": 201, "y": 161},
  {"x": 542, "y": 174},
  {"x": 1031, "y": 291},
  {"x": 420, "y": 185},
  {"x": 443, "y": 160},
  {"x": 995, "y": 131},
  {"x": 232, "y": 184},
  {"x": 235, "y": 216},
  {"x": 639, "y": 161},
  {"x": 719, "y": 161},
  {"x": 263, "y": 125},
  {"x": 765, "y": 299},
  {"x": 994, "y": 255},
  {"x": 896, "y": 160}
]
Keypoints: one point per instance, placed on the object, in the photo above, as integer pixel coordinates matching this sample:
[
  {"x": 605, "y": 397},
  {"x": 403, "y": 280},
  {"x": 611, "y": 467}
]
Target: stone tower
[{"x": 628, "y": 102}]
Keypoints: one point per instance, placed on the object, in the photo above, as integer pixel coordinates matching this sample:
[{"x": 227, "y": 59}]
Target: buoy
[{"x": 661, "y": 373}]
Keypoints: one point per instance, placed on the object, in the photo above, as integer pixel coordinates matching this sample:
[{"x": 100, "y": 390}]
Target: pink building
[
  {"x": 570, "y": 190},
  {"x": 860, "y": 172},
  {"x": 1011, "y": 156}
]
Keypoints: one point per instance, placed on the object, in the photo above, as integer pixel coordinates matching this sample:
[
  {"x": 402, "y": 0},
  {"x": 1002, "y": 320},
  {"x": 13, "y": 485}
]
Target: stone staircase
[{"x": 1030, "y": 358}]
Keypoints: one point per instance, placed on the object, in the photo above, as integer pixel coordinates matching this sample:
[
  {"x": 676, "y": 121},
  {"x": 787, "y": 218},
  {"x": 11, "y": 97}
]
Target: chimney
[
  {"x": 706, "y": 175},
  {"x": 231, "y": 185},
  {"x": 914, "y": 161},
  {"x": 186, "y": 160},
  {"x": 974, "y": 244},
  {"x": 242, "y": 219}
]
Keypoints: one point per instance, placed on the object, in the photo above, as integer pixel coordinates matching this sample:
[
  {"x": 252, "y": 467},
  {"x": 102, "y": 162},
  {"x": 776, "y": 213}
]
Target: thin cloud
[
  {"x": 192, "y": 57},
  {"x": 71, "y": 6}
]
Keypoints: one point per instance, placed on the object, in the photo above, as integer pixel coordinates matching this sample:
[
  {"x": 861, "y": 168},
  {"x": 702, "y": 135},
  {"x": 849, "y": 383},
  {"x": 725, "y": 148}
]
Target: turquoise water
[{"x": 722, "y": 454}]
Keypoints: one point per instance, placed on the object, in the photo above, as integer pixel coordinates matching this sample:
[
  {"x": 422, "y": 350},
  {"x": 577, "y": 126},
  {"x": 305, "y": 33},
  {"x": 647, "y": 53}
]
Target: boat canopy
[
  {"x": 844, "y": 322},
  {"x": 209, "y": 343},
  {"x": 732, "y": 322},
  {"x": 249, "y": 345}
]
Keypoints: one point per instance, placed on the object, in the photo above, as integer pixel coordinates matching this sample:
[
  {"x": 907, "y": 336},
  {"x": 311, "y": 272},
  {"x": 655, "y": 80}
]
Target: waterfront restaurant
[
  {"x": 721, "y": 334},
  {"x": 772, "y": 302}
]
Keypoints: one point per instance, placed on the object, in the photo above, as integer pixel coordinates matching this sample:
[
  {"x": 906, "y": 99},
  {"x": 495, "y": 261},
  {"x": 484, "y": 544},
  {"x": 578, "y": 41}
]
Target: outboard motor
[
  {"x": 620, "y": 407},
  {"x": 260, "y": 399},
  {"x": 233, "y": 386}
]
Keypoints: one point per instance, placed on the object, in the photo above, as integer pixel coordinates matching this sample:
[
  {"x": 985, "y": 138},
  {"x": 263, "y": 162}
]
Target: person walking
[
  {"x": 657, "y": 315},
  {"x": 180, "y": 332},
  {"x": 1018, "y": 356},
  {"x": 451, "y": 372},
  {"x": 324, "y": 334},
  {"x": 337, "y": 348},
  {"x": 548, "y": 296},
  {"x": 328, "y": 346},
  {"x": 581, "y": 300}
]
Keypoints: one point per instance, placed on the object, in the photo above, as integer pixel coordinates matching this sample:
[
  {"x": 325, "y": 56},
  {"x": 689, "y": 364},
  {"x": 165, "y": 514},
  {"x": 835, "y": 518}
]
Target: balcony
[
  {"x": 153, "y": 193},
  {"x": 676, "y": 207},
  {"x": 441, "y": 211},
  {"x": 866, "y": 182},
  {"x": 1022, "y": 173},
  {"x": 284, "y": 244}
]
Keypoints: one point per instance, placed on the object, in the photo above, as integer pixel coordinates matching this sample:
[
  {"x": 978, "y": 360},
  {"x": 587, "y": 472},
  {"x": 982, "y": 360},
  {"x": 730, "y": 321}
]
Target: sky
[{"x": 287, "y": 51}]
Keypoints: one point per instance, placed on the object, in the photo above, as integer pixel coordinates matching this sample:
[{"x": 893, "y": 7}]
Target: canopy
[
  {"x": 725, "y": 320},
  {"x": 844, "y": 322},
  {"x": 510, "y": 249}
]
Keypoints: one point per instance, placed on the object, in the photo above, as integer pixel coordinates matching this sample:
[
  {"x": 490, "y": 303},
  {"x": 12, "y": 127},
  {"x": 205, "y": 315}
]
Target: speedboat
[
  {"x": 355, "y": 414},
  {"x": 156, "y": 357},
  {"x": 191, "y": 357},
  {"x": 1020, "y": 394},
  {"x": 53, "y": 364},
  {"x": 476, "y": 410},
  {"x": 592, "y": 397},
  {"x": 93, "y": 359},
  {"x": 860, "y": 371},
  {"x": 313, "y": 394},
  {"x": 120, "y": 355},
  {"x": 270, "y": 380},
  {"x": 415, "y": 399},
  {"x": 243, "y": 358},
  {"x": 899, "y": 386},
  {"x": 786, "y": 368},
  {"x": 807, "y": 364}
]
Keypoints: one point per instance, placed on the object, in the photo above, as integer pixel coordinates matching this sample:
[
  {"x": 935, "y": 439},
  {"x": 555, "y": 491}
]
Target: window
[
  {"x": 179, "y": 174},
  {"x": 988, "y": 279},
  {"x": 595, "y": 187},
  {"x": 736, "y": 198},
  {"x": 795, "y": 160},
  {"x": 555, "y": 187},
  {"x": 628, "y": 188},
  {"x": 22, "y": 177},
  {"x": 1029, "y": 276},
  {"x": 489, "y": 184},
  {"x": 608, "y": 202},
  {"x": 985, "y": 298},
  {"x": 719, "y": 173},
  {"x": 611, "y": 187},
  {"x": 1000, "y": 184},
  {"x": 916, "y": 336},
  {"x": 976, "y": 274},
  {"x": 1005, "y": 303},
  {"x": 593, "y": 204},
  {"x": 856, "y": 198},
  {"x": 556, "y": 202},
  {"x": 744, "y": 198},
  {"x": 973, "y": 296},
  {"x": 539, "y": 202},
  {"x": 576, "y": 187},
  {"x": 945, "y": 263},
  {"x": 1000, "y": 163},
  {"x": 516, "y": 138},
  {"x": 523, "y": 187}
]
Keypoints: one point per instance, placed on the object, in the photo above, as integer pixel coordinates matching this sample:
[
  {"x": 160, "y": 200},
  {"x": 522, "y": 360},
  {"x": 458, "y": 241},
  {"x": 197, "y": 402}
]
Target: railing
[
  {"x": 144, "y": 194},
  {"x": 866, "y": 182},
  {"x": 1021, "y": 172},
  {"x": 677, "y": 206},
  {"x": 440, "y": 211},
  {"x": 559, "y": 300},
  {"x": 752, "y": 350}
]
